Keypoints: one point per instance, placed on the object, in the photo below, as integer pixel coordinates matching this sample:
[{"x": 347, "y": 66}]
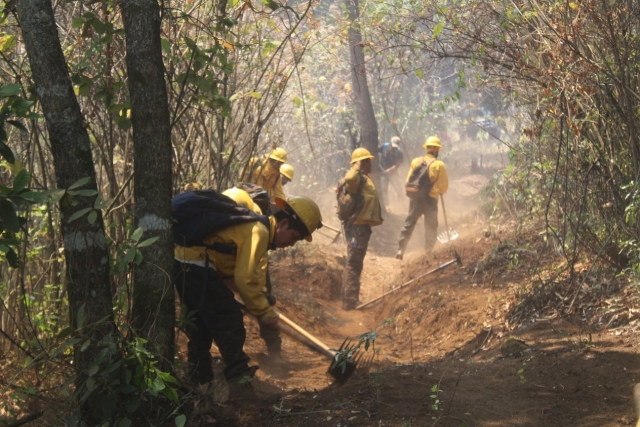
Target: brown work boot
[{"x": 399, "y": 255}]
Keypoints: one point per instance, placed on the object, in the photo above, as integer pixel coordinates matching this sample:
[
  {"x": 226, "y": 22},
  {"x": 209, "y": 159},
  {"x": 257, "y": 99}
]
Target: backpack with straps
[
  {"x": 349, "y": 204},
  {"x": 196, "y": 214},
  {"x": 258, "y": 194},
  {"x": 419, "y": 185}
]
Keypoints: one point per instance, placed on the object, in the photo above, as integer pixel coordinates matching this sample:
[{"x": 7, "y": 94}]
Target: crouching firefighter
[
  {"x": 217, "y": 239},
  {"x": 255, "y": 198}
]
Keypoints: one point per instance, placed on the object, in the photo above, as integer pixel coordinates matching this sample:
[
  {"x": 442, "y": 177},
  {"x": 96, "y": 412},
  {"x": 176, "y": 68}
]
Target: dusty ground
[{"x": 455, "y": 348}]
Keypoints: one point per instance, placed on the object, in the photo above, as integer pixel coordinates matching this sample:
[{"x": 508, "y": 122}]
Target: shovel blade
[{"x": 448, "y": 236}]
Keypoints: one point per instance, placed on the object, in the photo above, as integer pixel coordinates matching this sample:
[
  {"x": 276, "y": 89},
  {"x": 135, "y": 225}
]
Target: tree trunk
[
  {"x": 87, "y": 266},
  {"x": 153, "y": 296},
  {"x": 361, "y": 94}
]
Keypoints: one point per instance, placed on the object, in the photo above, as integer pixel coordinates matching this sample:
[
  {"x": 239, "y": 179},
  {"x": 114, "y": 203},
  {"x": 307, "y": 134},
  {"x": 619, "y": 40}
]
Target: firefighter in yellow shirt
[
  {"x": 200, "y": 275},
  {"x": 287, "y": 172},
  {"x": 426, "y": 204},
  {"x": 358, "y": 231},
  {"x": 266, "y": 174}
]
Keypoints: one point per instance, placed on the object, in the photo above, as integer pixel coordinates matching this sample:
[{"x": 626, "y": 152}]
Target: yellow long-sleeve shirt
[
  {"x": 371, "y": 212},
  {"x": 437, "y": 174},
  {"x": 248, "y": 267},
  {"x": 266, "y": 177}
]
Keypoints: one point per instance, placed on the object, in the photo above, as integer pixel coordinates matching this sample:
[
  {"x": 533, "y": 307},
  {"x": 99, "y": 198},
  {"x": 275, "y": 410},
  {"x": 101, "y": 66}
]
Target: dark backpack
[
  {"x": 196, "y": 214},
  {"x": 258, "y": 194},
  {"x": 419, "y": 185},
  {"x": 349, "y": 204}
]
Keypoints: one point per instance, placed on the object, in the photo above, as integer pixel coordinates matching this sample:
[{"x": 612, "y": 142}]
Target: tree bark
[
  {"x": 87, "y": 265},
  {"x": 153, "y": 296}
]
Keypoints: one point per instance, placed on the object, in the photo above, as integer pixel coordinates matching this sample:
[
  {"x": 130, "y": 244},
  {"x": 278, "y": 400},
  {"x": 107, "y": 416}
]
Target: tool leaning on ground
[
  {"x": 344, "y": 361},
  {"x": 449, "y": 234},
  {"x": 440, "y": 267}
]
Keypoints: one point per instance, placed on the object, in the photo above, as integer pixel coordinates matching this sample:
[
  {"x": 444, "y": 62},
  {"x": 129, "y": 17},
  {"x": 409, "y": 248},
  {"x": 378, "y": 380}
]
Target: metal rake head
[
  {"x": 345, "y": 361},
  {"x": 448, "y": 236}
]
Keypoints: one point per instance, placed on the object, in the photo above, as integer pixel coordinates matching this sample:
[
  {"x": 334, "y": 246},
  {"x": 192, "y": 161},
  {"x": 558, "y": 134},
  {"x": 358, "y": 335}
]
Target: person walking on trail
[
  {"x": 287, "y": 172},
  {"x": 424, "y": 195},
  {"x": 357, "y": 229},
  {"x": 199, "y": 280},
  {"x": 266, "y": 174},
  {"x": 391, "y": 158},
  {"x": 270, "y": 336}
]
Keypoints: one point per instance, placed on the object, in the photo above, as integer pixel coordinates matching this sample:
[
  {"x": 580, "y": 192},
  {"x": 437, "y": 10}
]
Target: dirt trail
[{"x": 450, "y": 358}]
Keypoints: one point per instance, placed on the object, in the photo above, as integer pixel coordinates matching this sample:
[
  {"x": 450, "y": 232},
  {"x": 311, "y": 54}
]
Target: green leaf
[
  {"x": 7, "y": 42},
  {"x": 93, "y": 215},
  {"x": 158, "y": 384},
  {"x": 137, "y": 234},
  {"x": 573, "y": 5},
  {"x": 78, "y": 214},
  {"x": 170, "y": 394},
  {"x": 165, "y": 45},
  {"x": 21, "y": 180},
  {"x": 419, "y": 73},
  {"x": 9, "y": 217},
  {"x": 87, "y": 193},
  {"x": 80, "y": 322},
  {"x": 77, "y": 22},
  {"x": 297, "y": 101},
  {"x": 180, "y": 420},
  {"x": 18, "y": 125},
  {"x": 5, "y": 151},
  {"x": 79, "y": 183},
  {"x": 4, "y": 249},
  {"x": 129, "y": 256},
  {"x": 35, "y": 197},
  {"x": 12, "y": 258},
  {"x": 437, "y": 30},
  {"x": 10, "y": 90},
  {"x": 148, "y": 242},
  {"x": 56, "y": 195},
  {"x": 256, "y": 95},
  {"x": 93, "y": 370}
]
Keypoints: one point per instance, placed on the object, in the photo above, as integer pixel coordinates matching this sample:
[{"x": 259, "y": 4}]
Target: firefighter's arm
[
  {"x": 278, "y": 191},
  {"x": 442, "y": 179},
  {"x": 352, "y": 178},
  {"x": 250, "y": 275}
]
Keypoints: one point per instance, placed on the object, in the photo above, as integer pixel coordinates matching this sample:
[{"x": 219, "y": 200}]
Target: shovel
[
  {"x": 449, "y": 234},
  {"x": 343, "y": 362}
]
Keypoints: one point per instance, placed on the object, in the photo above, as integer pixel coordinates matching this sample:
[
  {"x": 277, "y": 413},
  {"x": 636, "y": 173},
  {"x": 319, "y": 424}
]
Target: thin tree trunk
[
  {"x": 87, "y": 266},
  {"x": 362, "y": 96},
  {"x": 153, "y": 296}
]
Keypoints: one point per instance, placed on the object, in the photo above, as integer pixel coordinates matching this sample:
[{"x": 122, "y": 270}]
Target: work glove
[{"x": 271, "y": 299}]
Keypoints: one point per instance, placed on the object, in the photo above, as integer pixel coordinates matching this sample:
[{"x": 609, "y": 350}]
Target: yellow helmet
[
  {"x": 360, "y": 153},
  {"x": 433, "y": 141},
  {"x": 278, "y": 154},
  {"x": 242, "y": 198},
  {"x": 287, "y": 170},
  {"x": 307, "y": 211},
  {"x": 191, "y": 186}
]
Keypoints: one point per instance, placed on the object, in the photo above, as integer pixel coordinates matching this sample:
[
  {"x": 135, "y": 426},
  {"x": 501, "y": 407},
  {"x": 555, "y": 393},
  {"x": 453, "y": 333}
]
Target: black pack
[
  {"x": 349, "y": 204},
  {"x": 196, "y": 214},
  {"x": 419, "y": 185},
  {"x": 258, "y": 194}
]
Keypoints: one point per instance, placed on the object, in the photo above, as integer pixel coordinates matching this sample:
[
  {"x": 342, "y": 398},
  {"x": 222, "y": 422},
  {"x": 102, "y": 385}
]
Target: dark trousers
[
  {"x": 418, "y": 207},
  {"x": 213, "y": 316},
  {"x": 357, "y": 237}
]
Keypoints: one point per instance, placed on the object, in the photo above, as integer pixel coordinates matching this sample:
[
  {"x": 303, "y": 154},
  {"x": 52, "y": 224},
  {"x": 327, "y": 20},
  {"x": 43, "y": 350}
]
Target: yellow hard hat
[
  {"x": 287, "y": 170},
  {"x": 278, "y": 154},
  {"x": 433, "y": 141},
  {"x": 307, "y": 211},
  {"x": 360, "y": 153},
  {"x": 191, "y": 186},
  {"x": 242, "y": 198}
]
